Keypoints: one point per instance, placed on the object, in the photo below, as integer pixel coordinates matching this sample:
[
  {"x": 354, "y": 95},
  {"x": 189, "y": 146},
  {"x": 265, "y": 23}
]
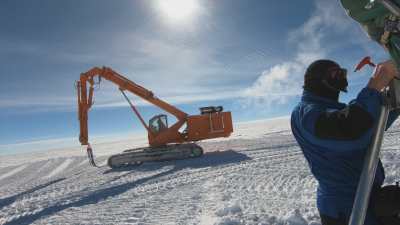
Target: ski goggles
[{"x": 337, "y": 73}]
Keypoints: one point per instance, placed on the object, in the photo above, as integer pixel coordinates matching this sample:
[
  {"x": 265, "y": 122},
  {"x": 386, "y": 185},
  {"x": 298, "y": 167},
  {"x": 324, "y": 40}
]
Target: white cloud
[
  {"x": 311, "y": 41},
  {"x": 276, "y": 83},
  {"x": 33, "y": 101}
]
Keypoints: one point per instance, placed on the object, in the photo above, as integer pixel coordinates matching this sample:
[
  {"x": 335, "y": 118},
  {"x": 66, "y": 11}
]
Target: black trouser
[
  {"x": 326, "y": 220},
  {"x": 386, "y": 206}
]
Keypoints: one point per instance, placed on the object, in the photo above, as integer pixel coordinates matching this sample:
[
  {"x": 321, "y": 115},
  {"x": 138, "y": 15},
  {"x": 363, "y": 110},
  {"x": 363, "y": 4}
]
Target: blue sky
[{"x": 248, "y": 56}]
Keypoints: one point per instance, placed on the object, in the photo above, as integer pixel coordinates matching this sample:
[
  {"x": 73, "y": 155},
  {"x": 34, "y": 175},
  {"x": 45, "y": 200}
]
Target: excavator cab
[{"x": 158, "y": 123}]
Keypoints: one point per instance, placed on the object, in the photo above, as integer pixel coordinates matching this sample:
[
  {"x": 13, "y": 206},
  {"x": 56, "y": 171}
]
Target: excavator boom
[{"x": 85, "y": 99}]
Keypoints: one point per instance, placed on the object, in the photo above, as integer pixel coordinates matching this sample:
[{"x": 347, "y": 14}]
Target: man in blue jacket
[{"x": 334, "y": 138}]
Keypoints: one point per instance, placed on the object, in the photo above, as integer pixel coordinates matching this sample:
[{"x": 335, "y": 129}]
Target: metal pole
[
  {"x": 367, "y": 178},
  {"x": 391, "y": 6},
  {"x": 371, "y": 160}
]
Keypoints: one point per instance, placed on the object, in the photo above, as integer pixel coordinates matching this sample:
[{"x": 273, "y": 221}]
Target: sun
[{"x": 178, "y": 10}]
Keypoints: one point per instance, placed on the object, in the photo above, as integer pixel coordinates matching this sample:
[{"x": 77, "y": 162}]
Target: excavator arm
[{"x": 85, "y": 89}]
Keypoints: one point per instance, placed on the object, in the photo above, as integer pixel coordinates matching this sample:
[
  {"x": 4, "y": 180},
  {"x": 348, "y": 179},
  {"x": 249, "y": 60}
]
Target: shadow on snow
[
  {"x": 9, "y": 200},
  {"x": 212, "y": 159}
]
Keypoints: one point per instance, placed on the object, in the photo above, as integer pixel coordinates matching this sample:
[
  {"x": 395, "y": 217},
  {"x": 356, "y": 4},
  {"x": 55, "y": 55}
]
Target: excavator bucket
[{"x": 89, "y": 151}]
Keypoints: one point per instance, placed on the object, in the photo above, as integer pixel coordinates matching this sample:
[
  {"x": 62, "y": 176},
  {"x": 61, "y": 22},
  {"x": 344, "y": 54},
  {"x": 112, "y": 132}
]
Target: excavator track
[{"x": 134, "y": 157}]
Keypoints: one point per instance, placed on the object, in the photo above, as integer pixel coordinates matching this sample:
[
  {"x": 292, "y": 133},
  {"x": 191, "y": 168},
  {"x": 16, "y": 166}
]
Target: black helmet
[{"x": 325, "y": 78}]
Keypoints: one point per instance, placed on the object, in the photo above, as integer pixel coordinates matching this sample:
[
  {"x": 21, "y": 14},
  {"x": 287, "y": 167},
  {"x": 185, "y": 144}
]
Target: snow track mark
[
  {"x": 60, "y": 168},
  {"x": 14, "y": 171}
]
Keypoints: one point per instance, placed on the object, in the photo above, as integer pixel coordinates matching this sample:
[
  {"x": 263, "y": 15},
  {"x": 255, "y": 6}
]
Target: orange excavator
[{"x": 165, "y": 142}]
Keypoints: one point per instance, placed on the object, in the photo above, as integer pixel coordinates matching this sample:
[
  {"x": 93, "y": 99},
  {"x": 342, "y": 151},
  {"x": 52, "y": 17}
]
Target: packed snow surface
[{"x": 258, "y": 176}]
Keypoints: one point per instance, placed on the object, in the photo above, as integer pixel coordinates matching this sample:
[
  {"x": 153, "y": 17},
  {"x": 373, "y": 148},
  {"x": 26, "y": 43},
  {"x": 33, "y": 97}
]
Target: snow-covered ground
[{"x": 258, "y": 176}]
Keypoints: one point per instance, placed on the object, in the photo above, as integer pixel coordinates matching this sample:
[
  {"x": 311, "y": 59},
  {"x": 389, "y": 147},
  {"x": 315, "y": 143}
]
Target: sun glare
[{"x": 178, "y": 10}]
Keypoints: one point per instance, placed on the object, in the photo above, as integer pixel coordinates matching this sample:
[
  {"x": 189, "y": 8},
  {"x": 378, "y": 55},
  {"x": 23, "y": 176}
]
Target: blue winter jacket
[{"x": 336, "y": 164}]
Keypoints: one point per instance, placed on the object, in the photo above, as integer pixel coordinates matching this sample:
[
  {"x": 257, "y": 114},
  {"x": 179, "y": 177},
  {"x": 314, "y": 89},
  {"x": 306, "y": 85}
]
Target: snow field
[{"x": 258, "y": 177}]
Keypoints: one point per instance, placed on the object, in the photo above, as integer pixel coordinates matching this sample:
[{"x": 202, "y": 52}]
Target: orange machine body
[
  {"x": 212, "y": 125},
  {"x": 208, "y": 125}
]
